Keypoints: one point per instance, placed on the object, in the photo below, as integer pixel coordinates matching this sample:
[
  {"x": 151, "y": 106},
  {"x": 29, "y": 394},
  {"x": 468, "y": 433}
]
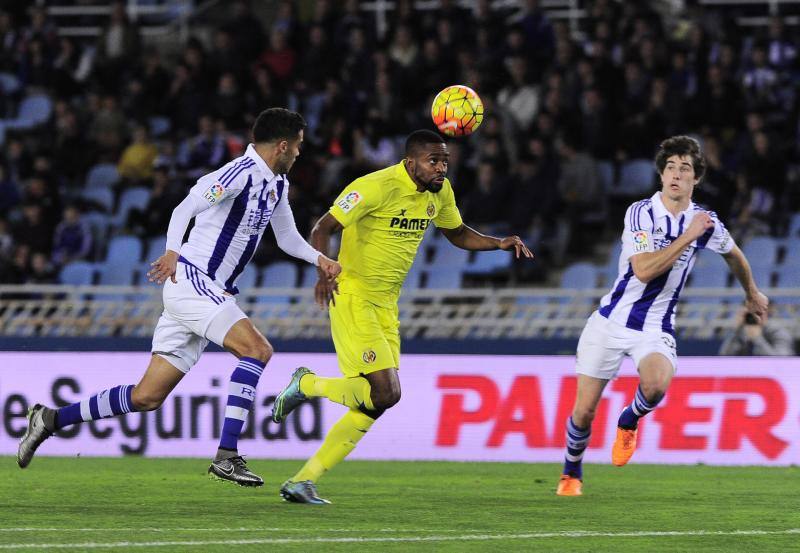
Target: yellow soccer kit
[{"x": 384, "y": 219}]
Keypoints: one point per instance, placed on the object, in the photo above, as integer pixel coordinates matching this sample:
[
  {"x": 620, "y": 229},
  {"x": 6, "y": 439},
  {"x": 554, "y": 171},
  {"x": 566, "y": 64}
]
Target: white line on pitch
[{"x": 475, "y": 537}]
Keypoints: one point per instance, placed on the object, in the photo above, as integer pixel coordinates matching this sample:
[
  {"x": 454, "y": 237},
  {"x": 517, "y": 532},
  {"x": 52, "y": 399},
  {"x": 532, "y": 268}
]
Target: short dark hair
[
  {"x": 681, "y": 146},
  {"x": 420, "y": 139},
  {"x": 277, "y": 124}
]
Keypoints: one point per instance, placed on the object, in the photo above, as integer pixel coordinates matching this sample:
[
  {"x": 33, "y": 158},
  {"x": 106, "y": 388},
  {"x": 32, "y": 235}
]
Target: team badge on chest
[{"x": 431, "y": 211}]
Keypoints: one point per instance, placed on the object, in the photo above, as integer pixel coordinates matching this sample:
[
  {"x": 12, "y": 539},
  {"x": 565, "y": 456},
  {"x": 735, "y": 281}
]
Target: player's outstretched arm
[
  {"x": 468, "y": 238},
  {"x": 165, "y": 266},
  {"x": 321, "y": 240},
  {"x": 648, "y": 265},
  {"x": 755, "y": 302}
]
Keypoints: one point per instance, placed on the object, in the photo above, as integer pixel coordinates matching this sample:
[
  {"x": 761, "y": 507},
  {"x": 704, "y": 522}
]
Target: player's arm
[
  {"x": 321, "y": 241},
  {"x": 290, "y": 241},
  {"x": 649, "y": 265},
  {"x": 755, "y": 302},
  {"x": 165, "y": 266},
  {"x": 467, "y": 238}
]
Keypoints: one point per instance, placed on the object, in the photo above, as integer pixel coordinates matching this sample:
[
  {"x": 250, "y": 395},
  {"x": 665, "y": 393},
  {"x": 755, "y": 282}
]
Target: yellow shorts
[{"x": 366, "y": 336}]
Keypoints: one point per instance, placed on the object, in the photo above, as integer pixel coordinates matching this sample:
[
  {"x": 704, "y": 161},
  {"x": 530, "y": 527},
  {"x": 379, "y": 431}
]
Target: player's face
[
  {"x": 290, "y": 149},
  {"x": 677, "y": 179},
  {"x": 429, "y": 167}
]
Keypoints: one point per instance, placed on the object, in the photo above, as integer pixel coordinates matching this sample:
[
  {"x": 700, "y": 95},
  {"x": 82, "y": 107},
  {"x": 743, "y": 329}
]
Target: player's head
[
  {"x": 681, "y": 165},
  {"x": 281, "y": 131},
  {"x": 426, "y": 159}
]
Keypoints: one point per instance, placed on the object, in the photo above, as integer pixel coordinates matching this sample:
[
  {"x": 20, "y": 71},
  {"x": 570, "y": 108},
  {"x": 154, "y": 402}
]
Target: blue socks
[
  {"x": 108, "y": 403},
  {"x": 577, "y": 441},
  {"x": 241, "y": 394},
  {"x": 639, "y": 407}
]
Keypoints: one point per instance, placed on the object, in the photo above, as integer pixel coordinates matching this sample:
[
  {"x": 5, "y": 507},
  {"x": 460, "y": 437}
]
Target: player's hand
[
  {"x": 700, "y": 224},
  {"x": 515, "y": 242},
  {"x": 163, "y": 268},
  {"x": 324, "y": 291},
  {"x": 757, "y": 304},
  {"x": 328, "y": 267}
]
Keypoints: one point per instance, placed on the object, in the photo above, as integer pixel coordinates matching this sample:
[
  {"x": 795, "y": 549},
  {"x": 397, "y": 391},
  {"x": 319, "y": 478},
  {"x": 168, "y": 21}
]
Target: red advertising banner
[{"x": 718, "y": 411}]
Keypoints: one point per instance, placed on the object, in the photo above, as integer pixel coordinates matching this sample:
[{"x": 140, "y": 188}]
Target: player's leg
[
  {"x": 159, "y": 380},
  {"x": 598, "y": 357},
  {"x": 245, "y": 341},
  {"x": 656, "y": 369}
]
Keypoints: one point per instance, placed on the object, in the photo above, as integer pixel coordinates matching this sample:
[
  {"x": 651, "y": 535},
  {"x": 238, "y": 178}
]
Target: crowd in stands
[{"x": 569, "y": 119}]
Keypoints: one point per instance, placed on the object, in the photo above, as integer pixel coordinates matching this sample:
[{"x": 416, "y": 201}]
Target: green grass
[{"x": 171, "y": 505}]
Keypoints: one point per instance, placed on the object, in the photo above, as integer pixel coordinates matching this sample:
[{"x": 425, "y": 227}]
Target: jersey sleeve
[
  {"x": 716, "y": 239},
  {"x": 212, "y": 192},
  {"x": 637, "y": 236},
  {"x": 359, "y": 198},
  {"x": 448, "y": 217}
]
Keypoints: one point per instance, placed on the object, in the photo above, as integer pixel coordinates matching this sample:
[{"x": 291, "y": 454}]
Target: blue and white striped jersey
[
  {"x": 650, "y": 227},
  {"x": 243, "y": 195}
]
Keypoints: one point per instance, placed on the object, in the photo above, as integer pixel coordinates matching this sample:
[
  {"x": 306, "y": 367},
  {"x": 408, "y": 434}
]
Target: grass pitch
[{"x": 100, "y": 504}]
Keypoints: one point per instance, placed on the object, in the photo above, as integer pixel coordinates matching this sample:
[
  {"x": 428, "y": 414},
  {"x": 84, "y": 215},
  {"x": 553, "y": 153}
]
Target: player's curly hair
[
  {"x": 681, "y": 146},
  {"x": 421, "y": 138},
  {"x": 277, "y": 124}
]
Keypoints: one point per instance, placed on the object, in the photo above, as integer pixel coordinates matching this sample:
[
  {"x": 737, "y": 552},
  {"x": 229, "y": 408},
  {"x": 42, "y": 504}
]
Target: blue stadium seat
[
  {"x": 9, "y": 83},
  {"x": 794, "y": 226},
  {"x": 309, "y": 278},
  {"x": 33, "y": 111},
  {"x": 248, "y": 279},
  {"x": 124, "y": 250},
  {"x": 114, "y": 274},
  {"x": 155, "y": 248},
  {"x": 710, "y": 271},
  {"x": 761, "y": 251},
  {"x": 449, "y": 255},
  {"x": 132, "y": 198},
  {"x": 159, "y": 126},
  {"x": 788, "y": 277},
  {"x": 102, "y": 175},
  {"x": 610, "y": 270},
  {"x": 636, "y": 178},
  {"x": 762, "y": 275},
  {"x": 579, "y": 276},
  {"x": 282, "y": 274},
  {"x": 488, "y": 262},
  {"x": 77, "y": 273},
  {"x": 443, "y": 277},
  {"x": 102, "y": 197},
  {"x": 606, "y": 172}
]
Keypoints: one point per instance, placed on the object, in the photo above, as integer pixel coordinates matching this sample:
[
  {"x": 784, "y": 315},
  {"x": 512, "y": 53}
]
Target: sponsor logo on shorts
[
  {"x": 369, "y": 356},
  {"x": 641, "y": 241},
  {"x": 214, "y": 193},
  {"x": 350, "y": 201},
  {"x": 431, "y": 211}
]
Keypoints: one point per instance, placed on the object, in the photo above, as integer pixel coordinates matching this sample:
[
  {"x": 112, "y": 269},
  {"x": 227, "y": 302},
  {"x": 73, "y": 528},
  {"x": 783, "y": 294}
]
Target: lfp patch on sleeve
[
  {"x": 350, "y": 201},
  {"x": 214, "y": 193},
  {"x": 641, "y": 241}
]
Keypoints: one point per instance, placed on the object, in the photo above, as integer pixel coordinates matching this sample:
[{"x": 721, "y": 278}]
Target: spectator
[
  {"x": 9, "y": 192},
  {"x": 136, "y": 163},
  {"x": 117, "y": 47},
  {"x": 753, "y": 337},
  {"x": 73, "y": 238},
  {"x": 154, "y": 219},
  {"x": 203, "y": 151},
  {"x": 41, "y": 272},
  {"x": 33, "y": 230},
  {"x": 6, "y": 240}
]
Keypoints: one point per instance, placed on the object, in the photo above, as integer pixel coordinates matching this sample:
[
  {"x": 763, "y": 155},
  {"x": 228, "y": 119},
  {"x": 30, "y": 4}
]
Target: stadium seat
[
  {"x": 710, "y": 271},
  {"x": 636, "y": 178},
  {"x": 124, "y": 250},
  {"x": 606, "y": 171},
  {"x": 610, "y": 270},
  {"x": 33, "y": 111},
  {"x": 579, "y": 276},
  {"x": 443, "y": 278},
  {"x": 102, "y": 175},
  {"x": 155, "y": 248},
  {"x": 159, "y": 126},
  {"x": 113, "y": 274},
  {"x": 282, "y": 274},
  {"x": 449, "y": 255},
  {"x": 309, "y": 278},
  {"x": 9, "y": 83},
  {"x": 791, "y": 252},
  {"x": 132, "y": 198},
  {"x": 248, "y": 279},
  {"x": 77, "y": 273},
  {"x": 794, "y": 226},
  {"x": 489, "y": 261},
  {"x": 99, "y": 197},
  {"x": 761, "y": 251},
  {"x": 762, "y": 275}
]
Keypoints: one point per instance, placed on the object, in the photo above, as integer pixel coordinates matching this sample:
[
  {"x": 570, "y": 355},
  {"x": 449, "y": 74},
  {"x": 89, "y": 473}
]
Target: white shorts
[
  {"x": 196, "y": 311},
  {"x": 604, "y": 344}
]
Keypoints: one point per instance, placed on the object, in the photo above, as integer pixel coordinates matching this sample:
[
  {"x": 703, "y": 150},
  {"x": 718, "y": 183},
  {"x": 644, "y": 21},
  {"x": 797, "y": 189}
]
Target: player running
[
  {"x": 232, "y": 207},
  {"x": 661, "y": 239},
  {"x": 384, "y": 216}
]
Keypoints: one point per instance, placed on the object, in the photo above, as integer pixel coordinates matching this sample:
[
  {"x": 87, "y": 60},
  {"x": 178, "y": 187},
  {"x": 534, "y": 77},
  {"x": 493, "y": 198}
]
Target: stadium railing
[{"x": 290, "y": 313}]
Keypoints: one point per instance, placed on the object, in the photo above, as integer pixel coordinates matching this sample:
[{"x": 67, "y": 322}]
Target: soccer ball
[{"x": 457, "y": 111}]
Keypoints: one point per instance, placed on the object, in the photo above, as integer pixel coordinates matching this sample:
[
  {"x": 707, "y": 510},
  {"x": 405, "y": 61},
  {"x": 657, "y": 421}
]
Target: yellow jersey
[{"x": 384, "y": 219}]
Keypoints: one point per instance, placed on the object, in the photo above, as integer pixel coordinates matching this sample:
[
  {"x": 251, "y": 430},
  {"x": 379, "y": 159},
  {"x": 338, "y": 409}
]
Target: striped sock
[
  {"x": 108, "y": 403},
  {"x": 638, "y": 408},
  {"x": 241, "y": 393},
  {"x": 577, "y": 440}
]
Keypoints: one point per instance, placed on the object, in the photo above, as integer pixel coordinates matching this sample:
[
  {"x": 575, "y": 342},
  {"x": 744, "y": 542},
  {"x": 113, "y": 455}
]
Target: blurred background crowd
[{"x": 573, "y": 118}]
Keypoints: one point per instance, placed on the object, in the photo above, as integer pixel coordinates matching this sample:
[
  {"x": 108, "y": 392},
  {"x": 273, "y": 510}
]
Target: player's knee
[
  {"x": 653, "y": 392},
  {"x": 259, "y": 349},
  {"x": 146, "y": 400},
  {"x": 385, "y": 398},
  {"x": 583, "y": 417}
]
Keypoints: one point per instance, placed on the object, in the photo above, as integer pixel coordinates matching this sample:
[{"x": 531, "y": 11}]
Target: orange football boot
[
  {"x": 569, "y": 485},
  {"x": 624, "y": 446}
]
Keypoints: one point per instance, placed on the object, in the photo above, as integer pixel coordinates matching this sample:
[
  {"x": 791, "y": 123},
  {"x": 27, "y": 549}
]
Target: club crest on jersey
[
  {"x": 214, "y": 193},
  {"x": 350, "y": 201},
  {"x": 431, "y": 211},
  {"x": 369, "y": 356},
  {"x": 641, "y": 241},
  {"x": 272, "y": 196}
]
